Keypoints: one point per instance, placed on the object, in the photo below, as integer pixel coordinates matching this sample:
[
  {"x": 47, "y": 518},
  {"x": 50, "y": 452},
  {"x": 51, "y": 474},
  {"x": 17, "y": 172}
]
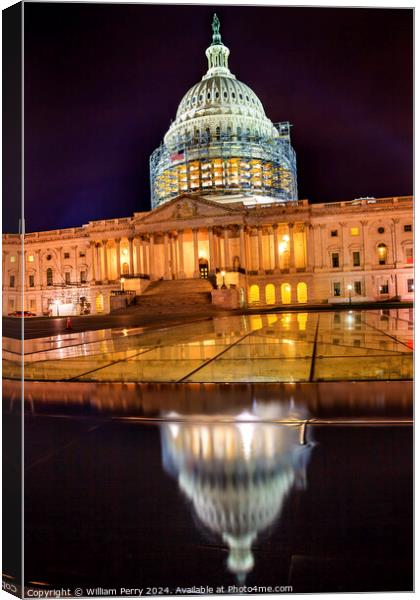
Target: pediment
[{"x": 186, "y": 208}]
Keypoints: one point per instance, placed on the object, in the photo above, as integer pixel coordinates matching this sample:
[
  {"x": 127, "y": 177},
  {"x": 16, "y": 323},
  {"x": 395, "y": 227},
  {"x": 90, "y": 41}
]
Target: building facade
[{"x": 224, "y": 207}]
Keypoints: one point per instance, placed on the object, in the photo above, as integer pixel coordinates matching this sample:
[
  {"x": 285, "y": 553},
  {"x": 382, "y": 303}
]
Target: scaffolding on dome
[{"x": 226, "y": 163}]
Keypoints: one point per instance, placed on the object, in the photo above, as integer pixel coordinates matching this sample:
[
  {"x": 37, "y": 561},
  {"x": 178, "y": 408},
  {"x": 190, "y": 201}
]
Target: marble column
[
  {"x": 118, "y": 252},
  {"x": 242, "y": 250},
  {"x": 396, "y": 241},
  {"x": 364, "y": 261},
  {"x": 322, "y": 245},
  {"x": 38, "y": 280},
  {"x": 131, "y": 255},
  {"x": 181, "y": 254},
  {"x": 151, "y": 257},
  {"x": 76, "y": 262},
  {"x": 226, "y": 247},
  {"x": 276, "y": 248},
  {"x": 195, "y": 240},
  {"x": 138, "y": 243},
  {"x": 260, "y": 251},
  {"x": 93, "y": 269},
  {"x": 144, "y": 244},
  {"x": 105, "y": 251},
  {"x": 98, "y": 261},
  {"x": 211, "y": 249},
  {"x": 166, "y": 268},
  {"x": 344, "y": 255},
  {"x": 310, "y": 247},
  {"x": 292, "y": 265}
]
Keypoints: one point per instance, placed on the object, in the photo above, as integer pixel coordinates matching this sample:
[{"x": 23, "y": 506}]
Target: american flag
[{"x": 177, "y": 156}]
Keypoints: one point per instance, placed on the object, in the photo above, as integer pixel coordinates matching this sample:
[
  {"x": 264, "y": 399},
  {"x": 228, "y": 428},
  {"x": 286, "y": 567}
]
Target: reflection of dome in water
[{"x": 237, "y": 476}]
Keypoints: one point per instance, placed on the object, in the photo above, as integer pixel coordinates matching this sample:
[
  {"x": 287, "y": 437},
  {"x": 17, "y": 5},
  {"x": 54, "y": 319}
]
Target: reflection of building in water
[{"x": 237, "y": 474}]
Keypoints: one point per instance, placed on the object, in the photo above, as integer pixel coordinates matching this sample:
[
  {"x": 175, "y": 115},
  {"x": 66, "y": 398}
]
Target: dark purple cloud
[{"x": 102, "y": 83}]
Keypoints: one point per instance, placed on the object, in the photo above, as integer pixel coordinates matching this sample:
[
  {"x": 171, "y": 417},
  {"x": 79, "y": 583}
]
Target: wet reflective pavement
[
  {"x": 162, "y": 485},
  {"x": 279, "y": 347}
]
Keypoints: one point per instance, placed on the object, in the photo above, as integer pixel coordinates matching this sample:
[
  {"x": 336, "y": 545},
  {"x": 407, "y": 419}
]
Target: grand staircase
[{"x": 180, "y": 295}]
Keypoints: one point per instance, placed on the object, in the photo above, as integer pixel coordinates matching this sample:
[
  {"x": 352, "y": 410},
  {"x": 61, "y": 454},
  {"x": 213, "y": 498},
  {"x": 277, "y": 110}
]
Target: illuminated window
[
  {"x": 382, "y": 254},
  {"x": 336, "y": 289},
  {"x": 270, "y": 294},
  {"x": 408, "y": 228},
  {"x": 12, "y": 281},
  {"x": 13, "y": 259},
  {"x": 383, "y": 289},
  {"x": 410, "y": 285},
  {"x": 31, "y": 258},
  {"x": 254, "y": 294},
  {"x": 409, "y": 255},
  {"x": 356, "y": 259},
  {"x": 335, "y": 260},
  {"x": 354, "y": 231},
  {"x": 286, "y": 293},
  {"x": 302, "y": 292},
  {"x": 31, "y": 281}
]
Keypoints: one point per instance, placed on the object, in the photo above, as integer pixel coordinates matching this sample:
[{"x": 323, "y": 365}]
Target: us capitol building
[{"x": 225, "y": 209}]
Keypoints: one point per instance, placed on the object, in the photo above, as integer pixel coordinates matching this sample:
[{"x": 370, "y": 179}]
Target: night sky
[{"x": 102, "y": 83}]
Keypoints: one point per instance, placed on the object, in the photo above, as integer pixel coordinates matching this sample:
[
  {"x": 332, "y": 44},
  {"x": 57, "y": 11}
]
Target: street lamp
[
  {"x": 223, "y": 273},
  {"x": 122, "y": 283},
  {"x": 350, "y": 287}
]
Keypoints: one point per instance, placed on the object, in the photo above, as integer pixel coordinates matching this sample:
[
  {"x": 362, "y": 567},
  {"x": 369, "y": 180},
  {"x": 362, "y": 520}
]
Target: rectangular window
[
  {"x": 82, "y": 254},
  {"x": 13, "y": 259},
  {"x": 357, "y": 343},
  {"x": 410, "y": 285},
  {"x": 32, "y": 304},
  {"x": 408, "y": 228},
  {"x": 356, "y": 259},
  {"x": 31, "y": 258},
  {"x": 66, "y": 254},
  {"x": 11, "y": 304},
  {"x": 67, "y": 276},
  {"x": 334, "y": 233},
  {"x": 358, "y": 288},
  {"x": 354, "y": 231},
  {"x": 383, "y": 289},
  {"x": 31, "y": 280},
  {"x": 337, "y": 288},
  {"x": 409, "y": 255},
  {"x": 83, "y": 276},
  {"x": 12, "y": 281},
  {"x": 335, "y": 259}
]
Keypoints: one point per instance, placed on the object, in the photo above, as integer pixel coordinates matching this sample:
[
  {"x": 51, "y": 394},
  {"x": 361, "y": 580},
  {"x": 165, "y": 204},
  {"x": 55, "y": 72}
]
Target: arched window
[
  {"x": 49, "y": 276},
  {"x": 286, "y": 293},
  {"x": 99, "y": 303},
  {"x": 382, "y": 252},
  {"x": 217, "y": 133},
  {"x": 270, "y": 294},
  {"x": 254, "y": 294},
  {"x": 302, "y": 292}
]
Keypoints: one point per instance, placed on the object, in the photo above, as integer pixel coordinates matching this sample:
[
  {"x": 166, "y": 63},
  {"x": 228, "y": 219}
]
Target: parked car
[{"x": 22, "y": 313}]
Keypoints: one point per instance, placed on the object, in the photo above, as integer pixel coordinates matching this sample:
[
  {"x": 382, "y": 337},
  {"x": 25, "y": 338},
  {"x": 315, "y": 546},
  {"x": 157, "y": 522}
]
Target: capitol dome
[{"x": 221, "y": 142}]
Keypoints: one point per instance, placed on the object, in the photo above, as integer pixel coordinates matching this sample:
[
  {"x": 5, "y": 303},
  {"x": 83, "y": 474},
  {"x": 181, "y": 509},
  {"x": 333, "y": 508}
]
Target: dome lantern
[{"x": 217, "y": 53}]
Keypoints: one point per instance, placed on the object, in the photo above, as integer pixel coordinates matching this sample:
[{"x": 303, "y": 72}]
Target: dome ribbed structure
[{"x": 221, "y": 143}]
